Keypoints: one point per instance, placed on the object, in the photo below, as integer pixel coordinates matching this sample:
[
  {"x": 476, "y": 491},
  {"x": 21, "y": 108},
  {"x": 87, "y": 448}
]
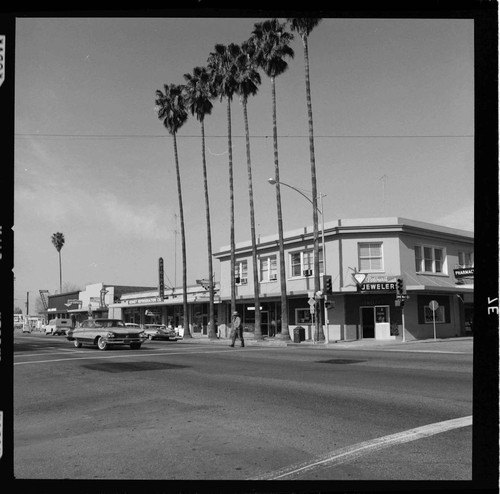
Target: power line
[{"x": 190, "y": 136}]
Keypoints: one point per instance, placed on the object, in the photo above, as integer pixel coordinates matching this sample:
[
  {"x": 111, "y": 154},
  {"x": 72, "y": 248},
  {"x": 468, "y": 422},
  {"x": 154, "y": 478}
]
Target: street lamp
[{"x": 272, "y": 181}]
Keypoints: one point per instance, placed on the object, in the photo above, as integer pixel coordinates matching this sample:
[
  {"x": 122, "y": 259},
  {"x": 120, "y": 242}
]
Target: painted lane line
[
  {"x": 64, "y": 351},
  {"x": 125, "y": 355},
  {"x": 350, "y": 453},
  {"x": 431, "y": 351}
]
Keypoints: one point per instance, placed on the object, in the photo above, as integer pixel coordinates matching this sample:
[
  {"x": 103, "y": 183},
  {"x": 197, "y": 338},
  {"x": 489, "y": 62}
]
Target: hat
[{"x": 235, "y": 313}]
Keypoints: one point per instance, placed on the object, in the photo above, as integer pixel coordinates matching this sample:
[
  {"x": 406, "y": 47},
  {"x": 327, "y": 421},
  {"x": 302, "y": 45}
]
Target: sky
[{"x": 393, "y": 110}]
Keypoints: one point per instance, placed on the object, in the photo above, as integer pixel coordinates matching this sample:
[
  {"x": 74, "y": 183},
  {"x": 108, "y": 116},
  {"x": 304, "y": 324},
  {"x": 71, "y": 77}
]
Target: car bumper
[
  {"x": 123, "y": 341},
  {"x": 163, "y": 337}
]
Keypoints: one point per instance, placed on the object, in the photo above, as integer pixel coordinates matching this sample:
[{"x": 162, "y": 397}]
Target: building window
[
  {"x": 425, "y": 312},
  {"x": 466, "y": 259},
  {"x": 241, "y": 272},
  {"x": 430, "y": 259},
  {"x": 370, "y": 257},
  {"x": 439, "y": 314},
  {"x": 303, "y": 316},
  {"x": 268, "y": 270},
  {"x": 302, "y": 263}
]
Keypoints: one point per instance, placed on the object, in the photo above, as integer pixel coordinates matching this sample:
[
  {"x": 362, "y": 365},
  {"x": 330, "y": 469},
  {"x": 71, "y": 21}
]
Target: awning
[{"x": 99, "y": 309}]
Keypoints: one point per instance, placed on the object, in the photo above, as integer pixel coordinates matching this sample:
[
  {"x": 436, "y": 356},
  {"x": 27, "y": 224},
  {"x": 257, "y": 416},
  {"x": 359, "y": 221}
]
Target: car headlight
[{"x": 110, "y": 335}]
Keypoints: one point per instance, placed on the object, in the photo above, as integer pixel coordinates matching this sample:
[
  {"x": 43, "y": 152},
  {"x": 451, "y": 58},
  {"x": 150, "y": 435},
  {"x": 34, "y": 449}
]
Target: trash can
[{"x": 299, "y": 334}]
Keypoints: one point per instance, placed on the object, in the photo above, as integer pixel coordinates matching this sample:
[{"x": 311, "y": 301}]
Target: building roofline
[{"x": 389, "y": 224}]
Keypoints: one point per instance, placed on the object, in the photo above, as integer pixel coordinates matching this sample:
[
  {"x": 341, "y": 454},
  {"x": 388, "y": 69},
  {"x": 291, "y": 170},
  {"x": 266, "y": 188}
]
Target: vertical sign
[
  {"x": 102, "y": 300},
  {"x": 161, "y": 283}
]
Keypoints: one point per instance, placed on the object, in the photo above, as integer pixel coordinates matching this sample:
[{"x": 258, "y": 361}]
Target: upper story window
[
  {"x": 466, "y": 259},
  {"x": 268, "y": 269},
  {"x": 370, "y": 256},
  {"x": 302, "y": 263},
  {"x": 241, "y": 272},
  {"x": 430, "y": 259}
]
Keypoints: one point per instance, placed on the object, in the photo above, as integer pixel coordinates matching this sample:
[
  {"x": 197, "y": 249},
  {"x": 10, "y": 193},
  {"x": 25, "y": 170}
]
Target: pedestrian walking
[{"x": 237, "y": 329}]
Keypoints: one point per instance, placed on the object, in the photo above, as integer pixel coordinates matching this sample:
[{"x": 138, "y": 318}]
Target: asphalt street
[{"x": 191, "y": 410}]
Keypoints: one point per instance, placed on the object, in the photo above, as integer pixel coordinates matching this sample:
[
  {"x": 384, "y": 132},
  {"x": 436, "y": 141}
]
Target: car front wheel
[
  {"x": 77, "y": 344},
  {"x": 135, "y": 346},
  {"x": 102, "y": 344}
]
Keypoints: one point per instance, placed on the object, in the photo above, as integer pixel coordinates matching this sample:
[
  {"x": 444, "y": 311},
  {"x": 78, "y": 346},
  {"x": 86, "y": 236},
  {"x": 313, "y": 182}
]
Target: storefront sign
[
  {"x": 464, "y": 272},
  {"x": 146, "y": 300},
  {"x": 374, "y": 283},
  {"x": 378, "y": 287}
]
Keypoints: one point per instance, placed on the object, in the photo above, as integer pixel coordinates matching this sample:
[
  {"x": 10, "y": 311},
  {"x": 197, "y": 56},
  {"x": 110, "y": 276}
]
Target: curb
[{"x": 330, "y": 344}]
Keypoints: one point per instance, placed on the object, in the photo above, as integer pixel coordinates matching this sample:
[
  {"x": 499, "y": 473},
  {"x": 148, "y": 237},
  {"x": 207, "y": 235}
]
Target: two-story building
[{"x": 365, "y": 259}]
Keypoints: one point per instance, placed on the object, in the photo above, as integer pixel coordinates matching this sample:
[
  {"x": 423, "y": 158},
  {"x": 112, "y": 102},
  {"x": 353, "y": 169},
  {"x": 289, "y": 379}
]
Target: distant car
[
  {"x": 160, "y": 332},
  {"x": 105, "y": 333},
  {"x": 58, "y": 325},
  {"x": 26, "y": 328}
]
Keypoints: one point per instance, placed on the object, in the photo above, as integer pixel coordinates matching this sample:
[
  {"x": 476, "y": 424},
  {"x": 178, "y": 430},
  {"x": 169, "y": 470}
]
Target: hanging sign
[{"x": 464, "y": 272}]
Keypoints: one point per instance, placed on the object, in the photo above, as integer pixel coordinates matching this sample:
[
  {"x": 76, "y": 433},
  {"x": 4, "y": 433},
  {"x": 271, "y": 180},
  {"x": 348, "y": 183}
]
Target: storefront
[{"x": 148, "y": 307}]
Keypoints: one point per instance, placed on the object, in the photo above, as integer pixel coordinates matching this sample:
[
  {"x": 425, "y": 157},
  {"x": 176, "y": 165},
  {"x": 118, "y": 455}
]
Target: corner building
[{"x": 365, "y": 258}]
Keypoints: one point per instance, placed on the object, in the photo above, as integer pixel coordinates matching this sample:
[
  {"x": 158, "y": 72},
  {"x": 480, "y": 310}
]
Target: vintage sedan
[
  {"x": 105, "y": 333},
  {"x": 160, "y": 332}
]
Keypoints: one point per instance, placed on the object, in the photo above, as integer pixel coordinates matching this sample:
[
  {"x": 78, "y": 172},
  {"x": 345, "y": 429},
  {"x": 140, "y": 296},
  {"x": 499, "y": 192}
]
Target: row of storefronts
[{"x": 363, "y": 259}]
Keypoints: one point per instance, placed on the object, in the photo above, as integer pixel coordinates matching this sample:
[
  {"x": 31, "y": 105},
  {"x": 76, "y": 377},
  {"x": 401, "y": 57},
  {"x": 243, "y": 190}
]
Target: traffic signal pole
[
  {"x": 403, "y": 321},
  {"x": 400, "y": 291},
  {"x": 324, "y": 268}
]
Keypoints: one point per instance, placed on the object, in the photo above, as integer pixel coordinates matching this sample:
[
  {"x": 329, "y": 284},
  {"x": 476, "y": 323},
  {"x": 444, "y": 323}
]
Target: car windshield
[{"x": 109, "y": 324}]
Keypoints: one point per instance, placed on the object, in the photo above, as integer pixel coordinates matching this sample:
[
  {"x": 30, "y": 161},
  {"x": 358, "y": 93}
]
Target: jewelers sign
[{"x": 376, "y": 284}]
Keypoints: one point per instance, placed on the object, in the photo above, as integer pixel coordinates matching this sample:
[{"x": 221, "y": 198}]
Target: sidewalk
[{"x": 449, "y": 344}]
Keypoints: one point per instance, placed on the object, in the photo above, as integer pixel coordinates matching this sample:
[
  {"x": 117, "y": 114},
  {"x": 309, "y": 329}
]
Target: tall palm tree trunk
[
  {"x": 211, "y": 333},
  {"x": 60, "y": 272},
  {"x": 319, "y": 315},
  {"x": 284, "y": 305},
  {"x": 258, "y": 330},
  {"x": 185, "y": 323},
  {"x": 231, "y": 206}
]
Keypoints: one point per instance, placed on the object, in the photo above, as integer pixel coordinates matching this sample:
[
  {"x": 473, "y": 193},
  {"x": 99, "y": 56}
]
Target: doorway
[
  {"x": 264, "y": 322},
  {"x": 367, "y": 322}
]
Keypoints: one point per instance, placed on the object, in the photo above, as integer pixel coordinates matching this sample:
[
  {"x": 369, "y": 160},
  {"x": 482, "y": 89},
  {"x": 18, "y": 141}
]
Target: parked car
[
  {"x": 105, "y": 333},
  {"x": 160, "y": 332},
  {"x": 58, "y": 325}
]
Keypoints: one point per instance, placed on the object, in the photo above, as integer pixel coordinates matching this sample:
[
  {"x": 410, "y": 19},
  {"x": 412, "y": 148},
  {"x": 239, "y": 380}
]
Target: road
[{"x": 178, "y": 411}]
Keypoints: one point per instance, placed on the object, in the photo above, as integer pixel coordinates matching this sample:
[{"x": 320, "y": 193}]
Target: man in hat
[{"x": 237, "y": 329}]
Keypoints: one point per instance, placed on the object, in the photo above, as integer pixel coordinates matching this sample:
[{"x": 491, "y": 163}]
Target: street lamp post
[{"x": 272, "y": 181}]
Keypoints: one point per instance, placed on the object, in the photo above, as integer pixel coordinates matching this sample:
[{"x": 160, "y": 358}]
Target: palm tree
[
  {"x": 58, "y": 242},
  {"x": 303, "y": 26},
  {"x": 272, "y": 46},
  {"x": 198, "y": 95},
  {"x": 171, "y": 110},
  {"x": 248, "y": 81},
  {"x": 222, "y": 71}
]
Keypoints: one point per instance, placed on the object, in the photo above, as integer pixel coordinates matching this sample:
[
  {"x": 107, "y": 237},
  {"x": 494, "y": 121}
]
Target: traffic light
[
  {"x": 327, "y": 284},
  {"x": 400, "y": 286}
]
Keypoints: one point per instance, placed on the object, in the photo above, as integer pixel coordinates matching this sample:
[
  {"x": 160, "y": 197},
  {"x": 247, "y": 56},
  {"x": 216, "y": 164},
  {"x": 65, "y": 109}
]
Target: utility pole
[{"x": 27, "y": 304}]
